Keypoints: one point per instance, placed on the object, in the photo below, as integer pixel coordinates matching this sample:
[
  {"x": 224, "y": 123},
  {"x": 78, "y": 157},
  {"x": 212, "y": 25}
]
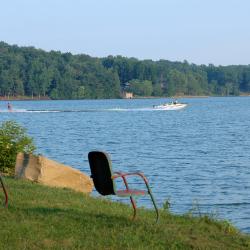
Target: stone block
[{"x": 51, "y": 173}]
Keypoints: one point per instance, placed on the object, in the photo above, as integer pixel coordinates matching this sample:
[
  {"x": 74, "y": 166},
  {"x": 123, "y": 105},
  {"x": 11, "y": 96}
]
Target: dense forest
[{"x": 31, "y": 72}]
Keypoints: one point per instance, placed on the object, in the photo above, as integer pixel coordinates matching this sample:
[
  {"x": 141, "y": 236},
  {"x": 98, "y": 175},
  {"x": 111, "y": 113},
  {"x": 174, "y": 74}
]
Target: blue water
[{"x": 197, "y": 157}]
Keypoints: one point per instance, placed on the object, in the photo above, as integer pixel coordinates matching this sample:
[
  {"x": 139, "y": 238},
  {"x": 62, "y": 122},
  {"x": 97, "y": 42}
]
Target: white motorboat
[{"x": 170, "y": 106}]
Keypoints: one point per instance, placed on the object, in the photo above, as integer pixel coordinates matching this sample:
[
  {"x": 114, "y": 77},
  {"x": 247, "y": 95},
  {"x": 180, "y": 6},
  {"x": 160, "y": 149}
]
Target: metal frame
[
  {"x": 5, "y": 191},
  {"x": 104, "y": 180},
  {"x": 140, "y": 174}
]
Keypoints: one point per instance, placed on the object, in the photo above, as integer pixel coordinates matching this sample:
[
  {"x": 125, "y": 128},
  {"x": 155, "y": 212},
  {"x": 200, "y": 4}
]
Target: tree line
[{"x": 27, "y": 71}]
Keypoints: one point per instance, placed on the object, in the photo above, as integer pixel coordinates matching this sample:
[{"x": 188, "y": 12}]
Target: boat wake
[
  {"x": 80, "y": 110},
  {"x": 28, "y": 111}
]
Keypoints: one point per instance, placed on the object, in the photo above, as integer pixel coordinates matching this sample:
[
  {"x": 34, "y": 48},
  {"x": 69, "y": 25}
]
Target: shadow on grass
[{"x": 73, "y": 214}]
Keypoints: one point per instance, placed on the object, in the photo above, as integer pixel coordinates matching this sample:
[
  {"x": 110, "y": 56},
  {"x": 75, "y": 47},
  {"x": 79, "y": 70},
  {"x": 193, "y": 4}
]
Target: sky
[{"x": 199, "y": 31}]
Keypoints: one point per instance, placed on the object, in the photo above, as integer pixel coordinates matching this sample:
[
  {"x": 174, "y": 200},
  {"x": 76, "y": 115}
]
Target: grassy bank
[{"x": 40, "y": 217}]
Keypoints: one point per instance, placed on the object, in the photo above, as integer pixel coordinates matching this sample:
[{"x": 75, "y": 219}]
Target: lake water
[{"x": 198, "y": 157}]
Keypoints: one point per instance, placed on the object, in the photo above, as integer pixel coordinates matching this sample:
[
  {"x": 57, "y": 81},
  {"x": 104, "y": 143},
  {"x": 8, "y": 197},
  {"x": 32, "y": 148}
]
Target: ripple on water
[{"x": 198, "y": 156}]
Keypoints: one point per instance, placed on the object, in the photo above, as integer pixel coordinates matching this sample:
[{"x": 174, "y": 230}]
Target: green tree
[
  {"x": 193, "y": 86},
  {"x": 141, "y": 88},
  {"x": 13, "y": 139},
  {"x": 157, "y": 89},
  {"x": 33, "y": 72}
]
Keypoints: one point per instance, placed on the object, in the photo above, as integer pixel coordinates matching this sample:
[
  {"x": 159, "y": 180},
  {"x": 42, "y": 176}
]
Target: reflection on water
[{"x": 198, "y": 155}]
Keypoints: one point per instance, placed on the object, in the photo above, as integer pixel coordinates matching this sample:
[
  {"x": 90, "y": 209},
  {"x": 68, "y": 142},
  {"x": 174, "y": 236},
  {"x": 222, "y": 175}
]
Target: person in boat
[
  {"x": 9, "y": 106},
  {"x": 175, "y": 101}
]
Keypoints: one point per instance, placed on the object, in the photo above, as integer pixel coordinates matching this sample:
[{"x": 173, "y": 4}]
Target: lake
[{"x": 197, "y": 158}]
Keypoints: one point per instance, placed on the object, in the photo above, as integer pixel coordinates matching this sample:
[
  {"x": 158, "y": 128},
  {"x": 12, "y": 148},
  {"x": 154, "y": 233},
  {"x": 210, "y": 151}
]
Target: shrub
[{"x": 13, "y": 139}]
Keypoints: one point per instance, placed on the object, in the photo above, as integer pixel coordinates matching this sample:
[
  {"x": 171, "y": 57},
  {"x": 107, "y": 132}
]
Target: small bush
[
  {"x": 13, "y": 139},
  {"x": 167, "y": 205}
]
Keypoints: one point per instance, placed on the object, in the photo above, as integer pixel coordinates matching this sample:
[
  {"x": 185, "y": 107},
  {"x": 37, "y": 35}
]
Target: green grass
[{"x": 40, "y": 217}]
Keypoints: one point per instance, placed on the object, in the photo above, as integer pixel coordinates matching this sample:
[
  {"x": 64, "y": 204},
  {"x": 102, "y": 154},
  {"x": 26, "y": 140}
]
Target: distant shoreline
[
  {"x": 24, "y": 98},
  {"x": 46, "y": 98}
]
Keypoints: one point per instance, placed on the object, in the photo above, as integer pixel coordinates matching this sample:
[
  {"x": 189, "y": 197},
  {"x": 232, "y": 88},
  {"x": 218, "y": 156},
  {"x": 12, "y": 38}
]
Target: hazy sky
[{"x": 199, "y": 31}]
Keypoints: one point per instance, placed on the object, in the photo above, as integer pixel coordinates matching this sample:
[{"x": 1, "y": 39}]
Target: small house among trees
[{"x": 127, "y": 95}]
